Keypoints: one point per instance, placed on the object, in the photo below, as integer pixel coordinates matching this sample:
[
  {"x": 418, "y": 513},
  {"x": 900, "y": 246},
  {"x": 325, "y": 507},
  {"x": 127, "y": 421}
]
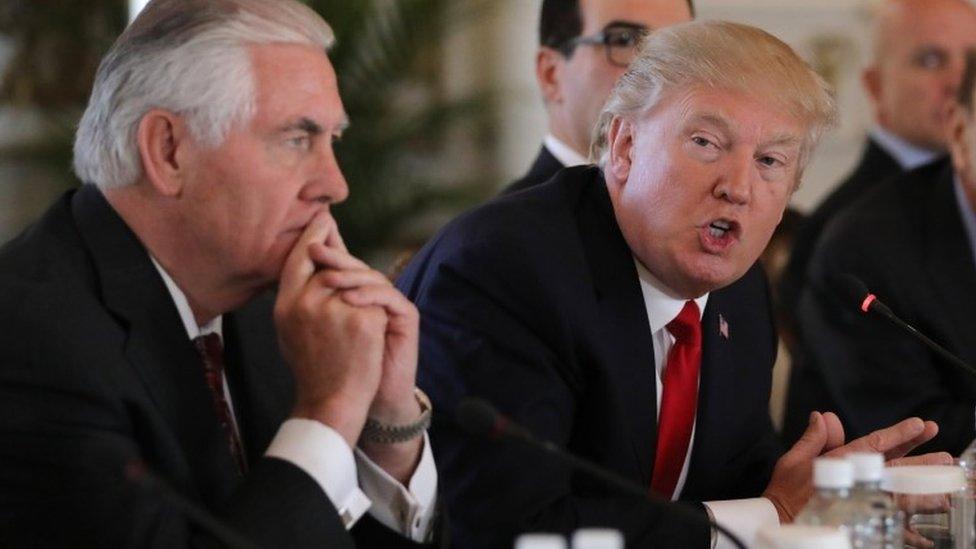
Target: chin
[{"x": 711, "y": 275}]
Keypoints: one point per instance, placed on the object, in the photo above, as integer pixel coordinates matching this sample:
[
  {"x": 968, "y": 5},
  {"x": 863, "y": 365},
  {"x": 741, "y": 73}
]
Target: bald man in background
[{"x": 919, "y": 54}]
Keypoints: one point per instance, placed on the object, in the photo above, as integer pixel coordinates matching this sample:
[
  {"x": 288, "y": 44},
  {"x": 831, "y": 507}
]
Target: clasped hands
[{"x": 350, "y": 339}]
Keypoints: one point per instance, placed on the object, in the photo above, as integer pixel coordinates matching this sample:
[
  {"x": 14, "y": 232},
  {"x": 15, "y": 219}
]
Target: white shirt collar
[
  {"x": 661, "y": 303},
  {"x": 907, "y": 155},
  {"x": 566, "y": 155},
  {"x": 183, "y": 306}
]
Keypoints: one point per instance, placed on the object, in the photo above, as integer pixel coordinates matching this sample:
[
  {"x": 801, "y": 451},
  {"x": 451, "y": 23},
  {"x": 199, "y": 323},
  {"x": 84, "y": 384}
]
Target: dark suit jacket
[
  {"x": 544, "y": 167},
  {"x": 906, "y": 241},
  {"x": 533, "y": 302},
  {"x": 875, "y": 166},
  {"x": 96, "y": 370}
]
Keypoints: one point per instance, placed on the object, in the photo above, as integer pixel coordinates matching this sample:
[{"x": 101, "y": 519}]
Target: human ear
[
  {"x": 161, "y": 138},
  {"x": 620, "y": 144},
  {"x": 548, "y": 74},
  {"x": 959, "y": 141}
]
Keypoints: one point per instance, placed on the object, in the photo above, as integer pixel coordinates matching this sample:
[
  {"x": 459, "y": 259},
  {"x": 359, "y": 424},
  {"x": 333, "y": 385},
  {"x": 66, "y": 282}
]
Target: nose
[
  {"x": 325, "y": 182},
  {"x": 734, "y": 184}
]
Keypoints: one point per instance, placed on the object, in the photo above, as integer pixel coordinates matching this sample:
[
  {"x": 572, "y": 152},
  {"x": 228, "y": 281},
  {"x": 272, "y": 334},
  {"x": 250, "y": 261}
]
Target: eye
[
  {"x": 931, "y": 59},
  {"x": 769, "y": 161},
  {"x": 624, "y": 38},
  {"x": 303, "y": 141},
  {"x": 701, "y": 141}
]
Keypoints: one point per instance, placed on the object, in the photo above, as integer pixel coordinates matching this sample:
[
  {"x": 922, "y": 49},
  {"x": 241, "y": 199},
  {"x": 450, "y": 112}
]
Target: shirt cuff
[
  {"x": 407, "y": 511},
  {"x": 744, "y": 517},
  {"x": 324, "y": 455}
]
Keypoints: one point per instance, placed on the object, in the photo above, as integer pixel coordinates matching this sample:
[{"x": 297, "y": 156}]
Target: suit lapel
[
  {"x": 714, "y": 381},
  {"x": 622, "y": 320},
  {"x": 156, "y": 343},
  {"x": 260, "y": 381},
  {"x": 949, "y": 259}
]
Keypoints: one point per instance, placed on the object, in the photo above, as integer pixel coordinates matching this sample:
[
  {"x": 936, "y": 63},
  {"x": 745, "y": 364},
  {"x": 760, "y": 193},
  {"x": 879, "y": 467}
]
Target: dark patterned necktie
[{"x": 212, "y": 355}]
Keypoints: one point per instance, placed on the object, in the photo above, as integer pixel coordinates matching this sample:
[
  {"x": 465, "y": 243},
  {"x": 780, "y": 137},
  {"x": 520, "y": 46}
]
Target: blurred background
[{"x": 441, "y": 94}]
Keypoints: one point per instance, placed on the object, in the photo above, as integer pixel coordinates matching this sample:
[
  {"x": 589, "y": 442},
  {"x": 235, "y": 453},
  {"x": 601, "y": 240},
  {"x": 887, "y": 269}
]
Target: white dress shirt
[
  {"x": 907, "y": 155},
  {"x": 325, "y": 456},
  {"x": 566, "y": 155},
  {"x": 743, "y": 517}
]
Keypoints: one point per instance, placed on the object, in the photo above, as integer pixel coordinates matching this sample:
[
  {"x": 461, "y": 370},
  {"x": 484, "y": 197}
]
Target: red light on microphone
[{"x": 868, "y": 300}]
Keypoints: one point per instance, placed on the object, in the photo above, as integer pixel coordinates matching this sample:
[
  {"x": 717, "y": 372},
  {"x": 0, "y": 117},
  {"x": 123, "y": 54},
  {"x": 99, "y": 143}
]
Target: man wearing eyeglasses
[{"x": 584, "y": 46}]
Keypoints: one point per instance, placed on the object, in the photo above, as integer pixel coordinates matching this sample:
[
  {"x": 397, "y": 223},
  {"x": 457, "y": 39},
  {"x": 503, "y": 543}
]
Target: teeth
[
  {"x": 716, "y": 232},
  {"x": 724, "y": 225}
]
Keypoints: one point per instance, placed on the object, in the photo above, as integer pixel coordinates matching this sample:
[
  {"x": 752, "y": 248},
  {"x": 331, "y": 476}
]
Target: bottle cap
[
  {"x": 540, "y": 541},
  {"x": 799, "y": 536},
  {"x": 923, "y": 479},
  {"x": 868, "y": 466},
  {"x": 833, "y": 473},
  {"x": 597, "y": 538}
]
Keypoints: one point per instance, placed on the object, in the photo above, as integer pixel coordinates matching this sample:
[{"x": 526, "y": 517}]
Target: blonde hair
[{"x": 719, "y": 55}]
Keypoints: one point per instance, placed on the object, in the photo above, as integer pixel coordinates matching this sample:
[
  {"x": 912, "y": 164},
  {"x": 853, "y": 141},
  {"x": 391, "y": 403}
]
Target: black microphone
[
  {"x": 136, "y": 472},
  {"x": 855, "y": 290},
  {"x": 478, "y": 417}
]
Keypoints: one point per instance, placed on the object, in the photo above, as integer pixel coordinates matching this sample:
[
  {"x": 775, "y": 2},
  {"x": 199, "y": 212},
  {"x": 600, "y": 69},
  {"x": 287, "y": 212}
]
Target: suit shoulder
[
  {"x": 889, "y": 207},
  {"x": 521, "y": 236}
]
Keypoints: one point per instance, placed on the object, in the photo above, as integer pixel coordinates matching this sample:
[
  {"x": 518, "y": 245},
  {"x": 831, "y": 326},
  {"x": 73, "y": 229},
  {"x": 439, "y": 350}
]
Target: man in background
[
  {"x": 584, "y": 46},
  {"x": 918, "y": 52},
  {"x": 912, "y": 240},
  {"x": 138, "y": 338}
]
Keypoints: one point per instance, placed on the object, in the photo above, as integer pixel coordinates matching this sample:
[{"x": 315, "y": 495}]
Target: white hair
[
  {"x": 189, "y": 57},
  {"x": 719, "y": 55}
]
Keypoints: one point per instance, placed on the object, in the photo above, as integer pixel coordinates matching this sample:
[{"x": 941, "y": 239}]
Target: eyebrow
[
  {"x": 782, "y": 139},
  {"x": 724, "y": 125},
  {"x": 312, "y": 127},
  {"x": 621, "y": 23},
  {"x": 716, "y": 120}
]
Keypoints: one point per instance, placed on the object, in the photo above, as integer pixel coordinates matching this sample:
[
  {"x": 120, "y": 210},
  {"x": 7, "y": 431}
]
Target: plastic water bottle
[
  {"x": 831, "y": 502},
  {"x": 967, "y": 460},
  {"x": 540, "y": 541},
  {"x": 597, "y": 538},
  {"x": 880, "y": 522}
]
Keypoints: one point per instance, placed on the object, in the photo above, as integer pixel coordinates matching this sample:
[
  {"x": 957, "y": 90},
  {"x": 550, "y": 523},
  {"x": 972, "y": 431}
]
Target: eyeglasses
[{"x": 620, "y": 39}]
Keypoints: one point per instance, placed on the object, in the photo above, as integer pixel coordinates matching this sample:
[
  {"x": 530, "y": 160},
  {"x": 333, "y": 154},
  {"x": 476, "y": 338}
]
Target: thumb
[{"x": 813, "y": 441}]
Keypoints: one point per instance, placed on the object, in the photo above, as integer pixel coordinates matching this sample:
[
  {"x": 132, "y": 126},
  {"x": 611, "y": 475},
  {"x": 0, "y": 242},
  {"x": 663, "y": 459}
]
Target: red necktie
[
  {"x": 212, "y": 354},
  {"x": 678, "y": 401}
]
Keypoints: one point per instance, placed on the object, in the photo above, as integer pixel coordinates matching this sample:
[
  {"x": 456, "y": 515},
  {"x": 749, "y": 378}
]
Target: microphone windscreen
[
  {"x": 851, "y": 288},
  {"x": 476, "y": 416}
]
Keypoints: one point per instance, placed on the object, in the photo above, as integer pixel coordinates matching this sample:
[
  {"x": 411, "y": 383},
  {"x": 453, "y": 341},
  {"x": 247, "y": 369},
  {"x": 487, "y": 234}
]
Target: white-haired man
[
  {"x": 206, "y": 150},
  {"x": 618, "y": 311}
]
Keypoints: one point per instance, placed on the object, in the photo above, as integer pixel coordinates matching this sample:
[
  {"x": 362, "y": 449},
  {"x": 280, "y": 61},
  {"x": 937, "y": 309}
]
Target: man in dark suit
[
  {"x": 617, "y": 310},
  {"x": 207, "y": 152},
  {"x": 584, "y": 46},
  {"x": 913, "y": 242},
  {"x": 919, "y": 46}
]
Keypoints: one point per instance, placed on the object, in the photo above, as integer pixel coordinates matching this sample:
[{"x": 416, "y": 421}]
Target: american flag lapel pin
[{"x": 723, "y": 327}]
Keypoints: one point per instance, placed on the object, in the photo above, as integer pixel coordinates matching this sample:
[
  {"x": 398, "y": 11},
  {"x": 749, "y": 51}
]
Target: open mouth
[
  {"x": 719, "y": 235},
  {"x": 719, "y": 228}
]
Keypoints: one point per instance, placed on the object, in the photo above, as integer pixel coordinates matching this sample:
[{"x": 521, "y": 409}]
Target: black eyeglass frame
[{"x": 603, "y": 38}]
